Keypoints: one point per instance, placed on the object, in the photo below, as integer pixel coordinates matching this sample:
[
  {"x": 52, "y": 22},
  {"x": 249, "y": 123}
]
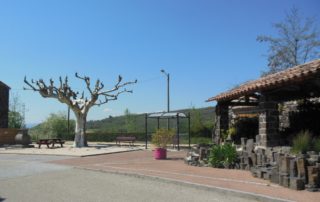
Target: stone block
[
  {"x": 267, "y": 175},
  {"x": 245, "y": 154},
  {"x": 202, "y": 153},
  {"x": 259, "y": 173},
  {"x": 284, "y": 166},
  {"x": 297, "y": 183},
  {"x": 258, "y": 139},
  {"x": 250, "y": 145},
  {"x": 285, "y": 150},
  {"x": 276, "y": 156},
  {"x": 259, "y": 159},
  {"x": 293, "y": 168},
  {"x": 274, "y": 175},
  {"x": 279, "y": 158},
  {"x": 264, "y": 160},
  {"x": 311, "y": 153},
  {"x": 311, "y": 162},
  {"x": 261, "y": 151},
  {"x": 241, "y": 159},
  {"x": 243, "y": 166},
  {"x": 243, "y": 142},
  {"x": 301, "y": 168},
  {"x": 246, "y": 160},
  {"x": 254, "y": 159},
  {"x": 313, "y": 176},
  {"x": 284, "y": 180},
  {"x": 315, "y": 157}
]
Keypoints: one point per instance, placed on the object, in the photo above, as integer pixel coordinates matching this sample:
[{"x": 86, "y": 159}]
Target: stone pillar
[
  {"x": 222, "y": 120},
  {"x": 268, "y": 122},
  {"x": 4, "y": 105}
]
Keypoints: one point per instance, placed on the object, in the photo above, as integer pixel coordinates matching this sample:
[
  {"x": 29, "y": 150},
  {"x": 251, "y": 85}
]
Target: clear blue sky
[{"x": 207, "y": 46}]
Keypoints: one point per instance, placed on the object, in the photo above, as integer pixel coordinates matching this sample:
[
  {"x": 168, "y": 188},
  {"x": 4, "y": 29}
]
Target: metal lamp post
[{"x": 168, "y": 93}]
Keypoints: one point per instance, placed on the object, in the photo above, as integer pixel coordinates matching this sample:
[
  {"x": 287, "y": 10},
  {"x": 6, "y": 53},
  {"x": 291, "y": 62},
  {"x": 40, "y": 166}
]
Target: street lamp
[{"x": 168, "y": 92}]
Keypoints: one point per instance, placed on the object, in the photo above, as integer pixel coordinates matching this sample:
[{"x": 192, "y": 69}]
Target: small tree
[
  {"x": 297, "y": 42},
  {"x": 130, "y": 120},
  {"x": 80, "y": 105},
  {"x": 55, "y": 126},
  {"x": 16, "y": 112}
]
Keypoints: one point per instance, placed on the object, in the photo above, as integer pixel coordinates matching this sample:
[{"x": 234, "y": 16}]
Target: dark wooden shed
[
  {"x": 299, "y": 82},
  {"x": 4, "y": 104}
]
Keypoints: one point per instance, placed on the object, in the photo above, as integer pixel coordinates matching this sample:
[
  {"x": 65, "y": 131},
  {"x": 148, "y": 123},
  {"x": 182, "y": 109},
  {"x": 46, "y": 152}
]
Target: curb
[
  {"x": 234, "y": 192},
  {"x": 79, "y": 156}
]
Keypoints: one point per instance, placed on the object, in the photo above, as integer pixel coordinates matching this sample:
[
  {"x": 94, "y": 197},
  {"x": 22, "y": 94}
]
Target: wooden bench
[
  {"x": 49, "y": 142},
  {"x": 129, "y": 139}
]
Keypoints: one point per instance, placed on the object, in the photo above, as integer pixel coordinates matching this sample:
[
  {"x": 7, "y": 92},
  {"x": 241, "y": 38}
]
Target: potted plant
[{"x": 161, "y": 138}]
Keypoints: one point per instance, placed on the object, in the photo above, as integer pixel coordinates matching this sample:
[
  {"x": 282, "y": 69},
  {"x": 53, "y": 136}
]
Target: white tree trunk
[{"x": 80, "y": 139}]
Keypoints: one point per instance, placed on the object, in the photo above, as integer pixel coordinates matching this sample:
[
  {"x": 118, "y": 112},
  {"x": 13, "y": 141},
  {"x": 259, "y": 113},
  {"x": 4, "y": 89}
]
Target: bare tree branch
[{"x": 298, "y": 41}]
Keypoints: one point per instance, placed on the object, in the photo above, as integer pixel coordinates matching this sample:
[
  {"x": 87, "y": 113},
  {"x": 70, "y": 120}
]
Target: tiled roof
[{"x": 292, "y": 75}]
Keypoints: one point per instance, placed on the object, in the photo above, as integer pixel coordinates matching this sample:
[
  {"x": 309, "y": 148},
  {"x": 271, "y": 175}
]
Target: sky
[{"x": 207, "y": 47}]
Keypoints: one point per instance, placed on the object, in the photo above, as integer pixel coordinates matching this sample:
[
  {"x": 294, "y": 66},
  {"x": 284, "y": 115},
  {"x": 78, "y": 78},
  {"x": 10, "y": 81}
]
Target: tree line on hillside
[{"x": 56, "y": 125}]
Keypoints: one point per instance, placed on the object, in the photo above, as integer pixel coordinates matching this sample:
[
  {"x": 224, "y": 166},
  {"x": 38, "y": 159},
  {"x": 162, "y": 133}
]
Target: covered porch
[{"x": 264, "y": 96}]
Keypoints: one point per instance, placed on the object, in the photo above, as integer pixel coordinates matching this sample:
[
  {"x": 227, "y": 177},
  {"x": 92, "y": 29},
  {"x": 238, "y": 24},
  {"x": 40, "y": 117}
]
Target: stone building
[
  {"x": 4, "y": 105},
  {"x": 265, "y": 96}
]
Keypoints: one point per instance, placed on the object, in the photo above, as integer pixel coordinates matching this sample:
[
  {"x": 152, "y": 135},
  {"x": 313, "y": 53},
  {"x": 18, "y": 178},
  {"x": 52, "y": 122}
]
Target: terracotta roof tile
[{"x": 291, "y": 75}]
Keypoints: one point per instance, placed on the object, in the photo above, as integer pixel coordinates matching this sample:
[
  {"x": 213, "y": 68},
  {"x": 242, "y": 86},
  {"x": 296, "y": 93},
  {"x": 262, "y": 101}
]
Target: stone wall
[{"x": 284, "y": 111}]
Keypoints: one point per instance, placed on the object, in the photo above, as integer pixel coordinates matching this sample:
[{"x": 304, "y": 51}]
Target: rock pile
[
  {"x": 198, "y": 155},
  {"x": 279, "y": 166}
]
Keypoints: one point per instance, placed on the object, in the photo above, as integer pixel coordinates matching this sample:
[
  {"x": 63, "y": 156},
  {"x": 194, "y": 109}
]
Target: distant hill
[
  {"x": 202, "y": 121},
  {"x": 136, "y": 122}
]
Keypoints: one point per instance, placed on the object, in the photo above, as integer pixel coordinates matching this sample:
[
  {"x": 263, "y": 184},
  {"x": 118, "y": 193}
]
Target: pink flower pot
[{"x": 160, "y": 153}]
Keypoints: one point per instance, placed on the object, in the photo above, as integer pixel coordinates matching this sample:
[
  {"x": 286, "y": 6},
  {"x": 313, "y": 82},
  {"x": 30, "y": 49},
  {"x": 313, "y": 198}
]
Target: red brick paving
[{"x": 142, "y": 163}]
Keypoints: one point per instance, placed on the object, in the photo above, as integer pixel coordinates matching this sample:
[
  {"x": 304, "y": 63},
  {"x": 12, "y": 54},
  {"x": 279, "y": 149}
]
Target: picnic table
[
  {"x": 51, "y": 141},
  {"x": 129, "y": 139}
]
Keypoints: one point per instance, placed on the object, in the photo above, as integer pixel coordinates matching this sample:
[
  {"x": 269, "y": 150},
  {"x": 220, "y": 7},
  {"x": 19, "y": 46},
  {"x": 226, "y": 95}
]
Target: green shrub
[
  {"x": 223, "y": 156},
  {"x": 316, "y": 144},
  {"x": 301, "y": 142},
  {"x": 201, "y": 140},
  {"x": 163, "y": 137}
]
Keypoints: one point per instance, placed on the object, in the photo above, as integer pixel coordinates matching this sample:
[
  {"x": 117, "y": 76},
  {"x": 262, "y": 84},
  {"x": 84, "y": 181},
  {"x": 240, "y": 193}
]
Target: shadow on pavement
[{"x": 175, "y": 158}]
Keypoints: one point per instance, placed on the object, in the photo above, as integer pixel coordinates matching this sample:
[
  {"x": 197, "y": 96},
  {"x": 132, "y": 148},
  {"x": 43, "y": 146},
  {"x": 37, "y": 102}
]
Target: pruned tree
[
  {"x": 79, "y": 104},
  {"x": 297, "y": 42}
]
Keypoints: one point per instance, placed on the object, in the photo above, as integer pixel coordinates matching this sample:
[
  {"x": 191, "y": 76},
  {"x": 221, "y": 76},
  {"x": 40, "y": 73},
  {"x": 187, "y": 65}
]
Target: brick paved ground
[{"x": 142, "y": 163}]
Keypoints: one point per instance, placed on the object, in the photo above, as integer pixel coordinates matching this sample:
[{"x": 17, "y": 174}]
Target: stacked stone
[
  {"x": 313, "y": 171},
  {"x": 295, "y": 172},
  {"x": 198, "y": 155},
  {"x": 252, "y": 156},
  {"x": 277, "y": 165}
]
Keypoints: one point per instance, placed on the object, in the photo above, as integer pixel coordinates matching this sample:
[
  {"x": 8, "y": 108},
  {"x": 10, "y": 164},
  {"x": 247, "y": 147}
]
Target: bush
[
  {"x": 223, "y": 156},
  {"x": 302, "y": 142},
  {"x": 201, "y": 140},
  {"x": 101, "y": 136},
  {"x": 163, "y": 137},
  {"x": 316, "y": 144}
]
